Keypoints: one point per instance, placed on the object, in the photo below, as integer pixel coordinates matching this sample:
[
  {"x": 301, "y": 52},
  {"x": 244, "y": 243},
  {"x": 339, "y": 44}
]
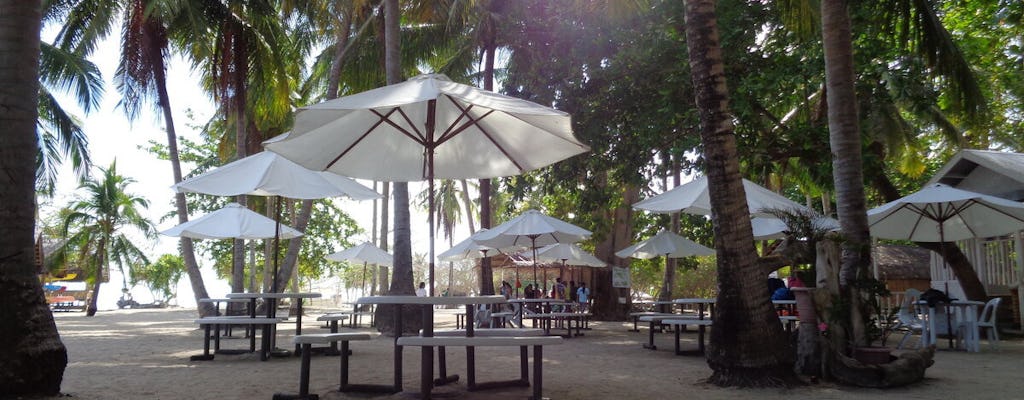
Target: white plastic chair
[
  {"x": 907, "y": 319},
  {"x": 987, "y": 320}
]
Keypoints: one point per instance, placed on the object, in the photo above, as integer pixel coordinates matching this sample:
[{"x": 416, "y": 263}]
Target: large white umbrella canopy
[
  {"x": 569, "y": 254},
  {"x": 940, "y": 213},
  {"x": 531, "y": 229},
  {"x": 365, "y": 252},
  {"x": 424, "y": 128},
  {"x": 268, "y": 174},
  {"x": 665, "y": 244},
  {"x": 232, "y": 222},
  {"x": 692, "y": 198},
  {"x": 389, "y": 133},
  {"x": 773, "y": 228},
  {"x": 468, "y": 249}
]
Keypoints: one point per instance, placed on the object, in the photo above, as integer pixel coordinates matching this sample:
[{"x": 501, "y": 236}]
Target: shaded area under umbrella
[
  {"x": 940, "y": 213},
  {"x": 428, "y": 127}
]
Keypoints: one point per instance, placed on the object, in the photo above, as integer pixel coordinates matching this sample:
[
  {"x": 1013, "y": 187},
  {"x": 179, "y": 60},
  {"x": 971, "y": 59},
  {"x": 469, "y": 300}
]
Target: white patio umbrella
[
  {"x": 569, "y": 254},
  {"x": 365, "y": 253},
  {"x": 468, "y": 249},
  {"x": 268, "y": 174},
  {"x": 692, "y": 198},
  {"x": 773, "y": 228},
  {"x": 940, "y": 213},
  {"x": 666, "y": 244},
  {"x": 232, "y": 222},
  {"x": 532, "y": 229},
  {"x": 424, "y": 128}
]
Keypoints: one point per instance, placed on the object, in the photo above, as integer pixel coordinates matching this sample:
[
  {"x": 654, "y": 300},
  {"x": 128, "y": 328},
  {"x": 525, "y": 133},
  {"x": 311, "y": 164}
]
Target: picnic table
[
  {"x": 271, "y": 299},
  {"x": 427, "y": 342}
]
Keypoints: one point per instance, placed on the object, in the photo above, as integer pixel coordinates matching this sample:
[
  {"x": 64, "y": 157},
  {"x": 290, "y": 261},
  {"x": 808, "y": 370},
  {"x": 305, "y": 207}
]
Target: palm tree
[
  {"x": 34, "y": 357},
  {"x": 99, "y": 220},
  {"x": 140, "y": 78},
  {"x": 60, "y": 135},
  {"x": 845, "y": 141},
  {"x": 748, "y": 345}
]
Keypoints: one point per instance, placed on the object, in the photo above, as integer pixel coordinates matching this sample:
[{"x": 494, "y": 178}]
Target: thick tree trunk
[
  {"x": 402, "y": 278},
  {"x": 32, "y": 357},
  {"x": 486, "y": 270},
  {"x": 748, "y": 345},
  {"x": 671, "y": 264},
  {"x": 847, "y": 170},
  {"x": 382, "y": 271},
  {"x": 291, "y": 259},
  {"x": 607, "y": 305}
]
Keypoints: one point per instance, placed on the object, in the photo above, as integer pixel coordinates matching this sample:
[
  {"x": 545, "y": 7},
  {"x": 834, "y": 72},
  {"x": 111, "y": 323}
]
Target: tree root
[
  {"x": 908, "y": 368},
  {"x": 767, "y": 377}
]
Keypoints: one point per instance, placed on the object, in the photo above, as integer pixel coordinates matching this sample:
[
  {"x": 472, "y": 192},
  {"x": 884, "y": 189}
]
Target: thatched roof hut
[{"x": 902, "y": 267}]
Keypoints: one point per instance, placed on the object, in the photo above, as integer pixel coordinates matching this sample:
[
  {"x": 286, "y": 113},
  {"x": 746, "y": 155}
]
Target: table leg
[
  {"x": 538, "y": 373},
  {"x": 298, "y": 325},
  {"x": 650, "y": 338}
]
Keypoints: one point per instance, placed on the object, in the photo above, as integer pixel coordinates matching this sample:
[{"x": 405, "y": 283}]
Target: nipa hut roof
[{"x": 902, "y": 262}]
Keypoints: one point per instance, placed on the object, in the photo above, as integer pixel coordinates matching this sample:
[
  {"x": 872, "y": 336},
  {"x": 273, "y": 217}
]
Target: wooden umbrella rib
[{"x": 361, "y": 137}]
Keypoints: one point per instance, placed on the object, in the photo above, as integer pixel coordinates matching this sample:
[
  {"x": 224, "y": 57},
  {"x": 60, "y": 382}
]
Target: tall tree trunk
[
  {"x": 187, "y": 249},
  {"x": 32, "y": 357},
  {"x": 847, "y": 171},
  {"x": 486, "y": 270},
  {"x": 748, "y": 345},
  {"x": 401, "y": 275},
  {"x": 344, "y": 27},
  {"x": 291, "y": 259},
  {"x": 607, "y": 304},
  {"x": 671, "y": 264},
  {"x": 382, "y": 271},
  {"x": 468, "y": 205},
  {"x": 90, "y": 307}
]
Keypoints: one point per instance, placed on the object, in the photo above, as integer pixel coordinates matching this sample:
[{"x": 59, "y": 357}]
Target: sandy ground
[{"x": 144, "y": 354}]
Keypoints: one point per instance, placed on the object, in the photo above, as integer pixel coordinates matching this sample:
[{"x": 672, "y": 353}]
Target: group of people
[{"x": 579, "y": 295}]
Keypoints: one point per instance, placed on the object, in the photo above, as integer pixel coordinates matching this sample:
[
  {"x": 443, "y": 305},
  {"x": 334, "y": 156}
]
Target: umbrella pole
[
  {"x": 431, "y": 111},
  {"x": 272, "y": 303},
  {"x": 945, "y": 282},
  {"x": 533, "y": 246},
  {"x": 362, "y": 286}
]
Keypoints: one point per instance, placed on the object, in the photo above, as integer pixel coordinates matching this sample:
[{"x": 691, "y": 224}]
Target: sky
[{"x": 113, "y": 137}]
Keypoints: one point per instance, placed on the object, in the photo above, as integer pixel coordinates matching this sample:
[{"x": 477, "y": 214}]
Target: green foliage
[{"x": 161, "y": 277}]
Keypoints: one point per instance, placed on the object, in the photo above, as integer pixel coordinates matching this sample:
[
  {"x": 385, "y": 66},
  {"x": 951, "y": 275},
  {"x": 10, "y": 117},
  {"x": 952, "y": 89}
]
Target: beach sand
[{"x": 144, "y": 354}]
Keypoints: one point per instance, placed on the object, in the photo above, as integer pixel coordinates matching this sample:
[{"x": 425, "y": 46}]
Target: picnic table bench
[
  {"x": 639, "y": 314},
  {"x": 214, "y": 324},
  {"x": 678, "y": 323},
  {"x": 568, "y": 317},
  {"x": 306, "y": 341},
  {"x": 537, "y": 342}
]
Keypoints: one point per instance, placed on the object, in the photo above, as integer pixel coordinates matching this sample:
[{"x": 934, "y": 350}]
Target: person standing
[
  {"x": 422, "y": 290},
  {"x": 582, "y": 296}
]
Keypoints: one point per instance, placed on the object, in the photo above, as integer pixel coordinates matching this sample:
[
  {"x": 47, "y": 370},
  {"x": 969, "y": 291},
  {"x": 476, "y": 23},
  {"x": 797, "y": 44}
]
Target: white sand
[{"x": 144, "y": 354}]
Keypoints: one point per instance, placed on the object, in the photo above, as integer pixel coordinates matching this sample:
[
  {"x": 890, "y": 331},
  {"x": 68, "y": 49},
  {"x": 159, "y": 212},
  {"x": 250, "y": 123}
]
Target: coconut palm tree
[
  {"x": 140, "y": 78},
  {"x": 95, "y": 227},
  {"x": 34, "y": 357},
  {"x": 60, "y": 134},
  {"x": 748, "y": 346}
]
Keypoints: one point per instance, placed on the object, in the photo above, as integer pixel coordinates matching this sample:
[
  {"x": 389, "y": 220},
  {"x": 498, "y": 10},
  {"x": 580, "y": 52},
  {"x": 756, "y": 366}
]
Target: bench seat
[
  {"x": 215, "y": 323},
  {"x": 306, "y": 341},
  {"x": 637, "y": 315},
  {"x": 679, "y": 324},
  {"x": 538, "y": 343}
]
